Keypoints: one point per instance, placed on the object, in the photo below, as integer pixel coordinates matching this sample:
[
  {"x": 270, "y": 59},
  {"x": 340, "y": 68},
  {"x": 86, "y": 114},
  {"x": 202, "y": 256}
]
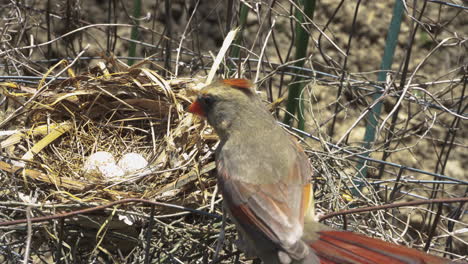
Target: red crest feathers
[{"x": 238, "y": 83}]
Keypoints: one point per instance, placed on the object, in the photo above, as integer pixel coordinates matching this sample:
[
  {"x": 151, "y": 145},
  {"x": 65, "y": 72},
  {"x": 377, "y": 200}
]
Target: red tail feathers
[{"x": 339, "y": 247}]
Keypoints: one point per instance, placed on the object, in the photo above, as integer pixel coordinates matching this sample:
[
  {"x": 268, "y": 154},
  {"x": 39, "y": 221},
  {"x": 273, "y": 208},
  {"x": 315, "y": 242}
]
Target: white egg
[
  {"x": 132, "y": 162},
  {"x": 111, "y": 170},
  {"x": 98, "y": 159}
]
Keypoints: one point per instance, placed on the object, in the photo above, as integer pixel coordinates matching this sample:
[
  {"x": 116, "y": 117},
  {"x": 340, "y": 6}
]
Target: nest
[
  {"x": 116, "y": 109},
  {"x": 108, "y": 109}
]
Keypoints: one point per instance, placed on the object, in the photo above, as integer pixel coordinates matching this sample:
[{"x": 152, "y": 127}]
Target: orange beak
[{"x": 196, "y": 108}]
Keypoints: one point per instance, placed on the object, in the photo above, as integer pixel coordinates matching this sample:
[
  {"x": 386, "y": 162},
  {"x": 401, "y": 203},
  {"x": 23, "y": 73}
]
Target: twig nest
[
  {"x": 100, "y": 158},
  {"x": 132, "y": 162}
]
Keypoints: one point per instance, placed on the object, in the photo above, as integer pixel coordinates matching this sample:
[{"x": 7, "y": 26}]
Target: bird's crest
[{"x": 242, "y": 84}]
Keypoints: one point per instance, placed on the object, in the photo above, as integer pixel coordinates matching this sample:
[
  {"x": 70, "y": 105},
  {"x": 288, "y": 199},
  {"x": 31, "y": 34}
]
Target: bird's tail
[{"x": 343, "y": 247}]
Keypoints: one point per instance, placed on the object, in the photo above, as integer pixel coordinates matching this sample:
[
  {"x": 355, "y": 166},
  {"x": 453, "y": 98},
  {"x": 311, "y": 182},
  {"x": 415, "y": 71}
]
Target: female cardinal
[{"x": 264, "y": 176}]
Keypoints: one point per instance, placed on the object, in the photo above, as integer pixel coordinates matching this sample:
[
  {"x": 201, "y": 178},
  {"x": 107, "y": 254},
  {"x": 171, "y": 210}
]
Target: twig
[
  {"x": 393, "y": 205},
  {"x": 28, "y": 239},
  {"x": 100, "y": 207}
]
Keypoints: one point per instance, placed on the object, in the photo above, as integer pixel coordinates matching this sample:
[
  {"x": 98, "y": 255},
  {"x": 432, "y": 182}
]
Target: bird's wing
[{"x": 276, "y": 209}]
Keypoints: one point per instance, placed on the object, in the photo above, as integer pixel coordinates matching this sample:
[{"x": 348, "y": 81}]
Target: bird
[{"x": 264, "y": 177}]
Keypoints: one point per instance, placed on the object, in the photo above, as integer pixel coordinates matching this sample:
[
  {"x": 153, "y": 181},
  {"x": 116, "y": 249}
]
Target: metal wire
[
  {"x": 293, "y": 72},
  {"x": 448, "y": 4},
  {"x": 353, "y": 154}
]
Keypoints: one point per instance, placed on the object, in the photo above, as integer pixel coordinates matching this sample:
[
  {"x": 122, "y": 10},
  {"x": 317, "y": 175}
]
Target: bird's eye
[{"x": 206, "y": 100}]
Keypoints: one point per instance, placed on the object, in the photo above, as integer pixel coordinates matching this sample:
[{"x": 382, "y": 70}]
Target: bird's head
[{"x": 224, "y": 103}]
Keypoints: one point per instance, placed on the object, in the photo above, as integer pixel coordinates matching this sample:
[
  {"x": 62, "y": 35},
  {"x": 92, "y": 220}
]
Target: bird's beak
[{"x": 196, "y": 108}]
